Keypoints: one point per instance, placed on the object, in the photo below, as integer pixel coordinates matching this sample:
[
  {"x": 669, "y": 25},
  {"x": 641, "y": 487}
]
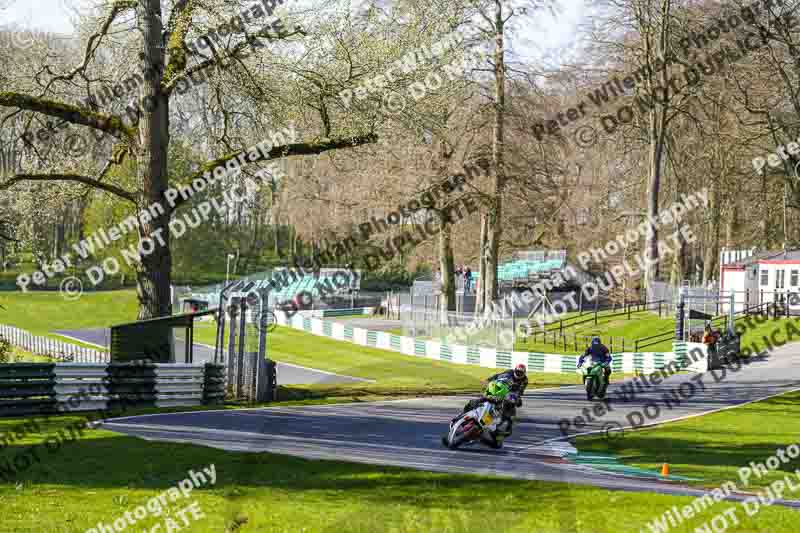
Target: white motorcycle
[{"x": 478, "y": 425}]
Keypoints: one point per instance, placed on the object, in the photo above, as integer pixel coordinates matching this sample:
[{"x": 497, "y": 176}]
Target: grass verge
[
  {"x": 394, "y": 374},
  {"x": 256, "y": 492},
  {"x": 42, "y": 312},
  {"x": 714, "y": 446}
]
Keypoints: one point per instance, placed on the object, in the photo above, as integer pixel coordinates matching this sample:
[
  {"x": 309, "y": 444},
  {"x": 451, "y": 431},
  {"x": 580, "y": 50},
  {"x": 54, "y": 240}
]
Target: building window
[
  {"x": 780, "y": 277},
  {"x": 764, "y": 278}
]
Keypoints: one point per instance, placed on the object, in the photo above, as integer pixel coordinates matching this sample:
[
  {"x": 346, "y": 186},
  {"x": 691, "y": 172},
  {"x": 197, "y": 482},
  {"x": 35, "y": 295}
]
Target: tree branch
[
  {"x": 172, "y": 79},
  {"x": 68, "y": 113},
  {"x": 113, "y": 189},
  {"x": 91, "y": 47},
  {"x": 177, "y": 28},
  {"x": 282, "y": 151}
]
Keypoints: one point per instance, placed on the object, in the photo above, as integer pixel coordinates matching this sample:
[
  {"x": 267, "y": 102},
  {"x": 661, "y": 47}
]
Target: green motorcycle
[{"x": 594, "y": 378}]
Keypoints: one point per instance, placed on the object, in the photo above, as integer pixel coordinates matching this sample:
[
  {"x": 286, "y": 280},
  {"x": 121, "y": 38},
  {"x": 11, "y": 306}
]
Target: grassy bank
[
  {"x": 42, "y": 312},
  {"x": 714, "y": 446},
  {"x": 393, "y": 373},
  {"x": 102, "y": 475}
]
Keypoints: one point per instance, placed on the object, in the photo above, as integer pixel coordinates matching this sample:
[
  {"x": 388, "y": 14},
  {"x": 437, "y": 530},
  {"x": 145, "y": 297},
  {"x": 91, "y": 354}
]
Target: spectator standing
[
  {"x": 711, "y": 338},
  {"x": 467, "y": 280}
]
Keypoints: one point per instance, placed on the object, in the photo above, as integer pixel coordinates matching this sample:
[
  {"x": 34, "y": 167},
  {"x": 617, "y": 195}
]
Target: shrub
[{"x": 5, "y": 350}]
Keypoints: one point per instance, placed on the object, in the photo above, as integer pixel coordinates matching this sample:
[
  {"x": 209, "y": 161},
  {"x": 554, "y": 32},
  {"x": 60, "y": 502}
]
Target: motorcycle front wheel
[
  {"x": 602, "y": 389},
  {"x": 589, "y": 388},
  {"x": 459, "y": 435}
]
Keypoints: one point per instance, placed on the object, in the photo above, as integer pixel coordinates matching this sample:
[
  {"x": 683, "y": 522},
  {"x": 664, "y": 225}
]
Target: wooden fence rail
[{"x": 58, "y": 350}]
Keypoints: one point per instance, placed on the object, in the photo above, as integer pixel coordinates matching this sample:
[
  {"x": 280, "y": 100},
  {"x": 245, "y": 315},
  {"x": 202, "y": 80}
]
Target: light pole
[{"x": 228, "y": 267}]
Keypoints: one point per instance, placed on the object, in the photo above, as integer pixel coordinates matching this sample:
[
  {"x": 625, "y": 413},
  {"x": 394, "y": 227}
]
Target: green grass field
[
  {"x": 712, "y": 447},
  {"x": 100, "y": 476},
  {"x": 394, "y": 373},
  {"x": 42, "y": 312},
  {"x": 266, "y": 492},
  {"x": 639, "y": 326}
]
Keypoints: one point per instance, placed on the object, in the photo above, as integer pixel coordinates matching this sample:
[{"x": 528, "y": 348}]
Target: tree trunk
[
  {"x": 732, "y": 228},
  {"x": 153, "y": 275},
  {"x": 494, "y": 228},
  {"x": 480, "y": 302},
  {"x": 273, "y": 219},
  {"x": 657, "y": 123},
  {"x": 712, "y": 244},
  {"x": 447, "y": 270},
  {"x": 765, "y": 214}
]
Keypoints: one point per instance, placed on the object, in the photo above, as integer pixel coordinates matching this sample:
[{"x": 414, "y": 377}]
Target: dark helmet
[
  {"x": 595, "y": 341},
  {"x": 520, "y": 371}
]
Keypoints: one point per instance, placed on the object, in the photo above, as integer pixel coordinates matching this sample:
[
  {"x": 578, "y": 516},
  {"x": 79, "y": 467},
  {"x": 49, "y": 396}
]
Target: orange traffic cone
[{"x": 665, "y": 469}]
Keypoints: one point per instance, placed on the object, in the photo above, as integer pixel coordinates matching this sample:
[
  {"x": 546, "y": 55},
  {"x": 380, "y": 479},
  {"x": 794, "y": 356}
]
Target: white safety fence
[
  {"x": 628, "y": 362},
  {"x": 58, "y": 350}
]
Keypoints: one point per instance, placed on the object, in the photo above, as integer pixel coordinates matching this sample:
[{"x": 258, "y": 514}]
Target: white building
[{"x": 763, "y": 277}]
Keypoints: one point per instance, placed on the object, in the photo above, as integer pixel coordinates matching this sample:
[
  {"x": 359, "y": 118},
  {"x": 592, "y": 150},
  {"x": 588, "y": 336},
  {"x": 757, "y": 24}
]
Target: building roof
[{"x": 789, "y": 255}]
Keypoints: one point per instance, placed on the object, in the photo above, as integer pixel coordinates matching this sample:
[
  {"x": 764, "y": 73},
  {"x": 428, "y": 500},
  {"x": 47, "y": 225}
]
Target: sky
[
  {"x": 553, "y": 34},
  {"x": 45, "y": 15}
]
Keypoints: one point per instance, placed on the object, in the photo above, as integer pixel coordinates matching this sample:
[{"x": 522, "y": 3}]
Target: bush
[{"x": 5, "y": 350}]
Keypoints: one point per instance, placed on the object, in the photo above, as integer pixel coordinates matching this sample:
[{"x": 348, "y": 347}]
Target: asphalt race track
[
  {"x": 407, "y": 432},
  {"x": 286, "y": 373}
]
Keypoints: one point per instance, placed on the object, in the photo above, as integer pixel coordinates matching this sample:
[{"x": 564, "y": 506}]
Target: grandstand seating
[
  {"x": 307, "y": 283},
  {"x": 519, "y": 269},
  {"x": 524, "y": 269}
]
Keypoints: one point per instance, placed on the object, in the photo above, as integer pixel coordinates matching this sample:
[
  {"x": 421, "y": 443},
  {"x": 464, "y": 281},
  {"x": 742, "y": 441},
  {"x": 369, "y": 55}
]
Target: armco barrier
[
  {"x": 31, "y": 388},
  {"x": 27, "y": 388},
  {"x": 487, "y": 357}
]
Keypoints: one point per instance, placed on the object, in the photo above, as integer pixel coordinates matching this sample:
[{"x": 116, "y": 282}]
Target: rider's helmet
[
  {"x": 520, "y": 371},
  {"x": 498, "y": 390},
  {"x": 595, "y": 341}
]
